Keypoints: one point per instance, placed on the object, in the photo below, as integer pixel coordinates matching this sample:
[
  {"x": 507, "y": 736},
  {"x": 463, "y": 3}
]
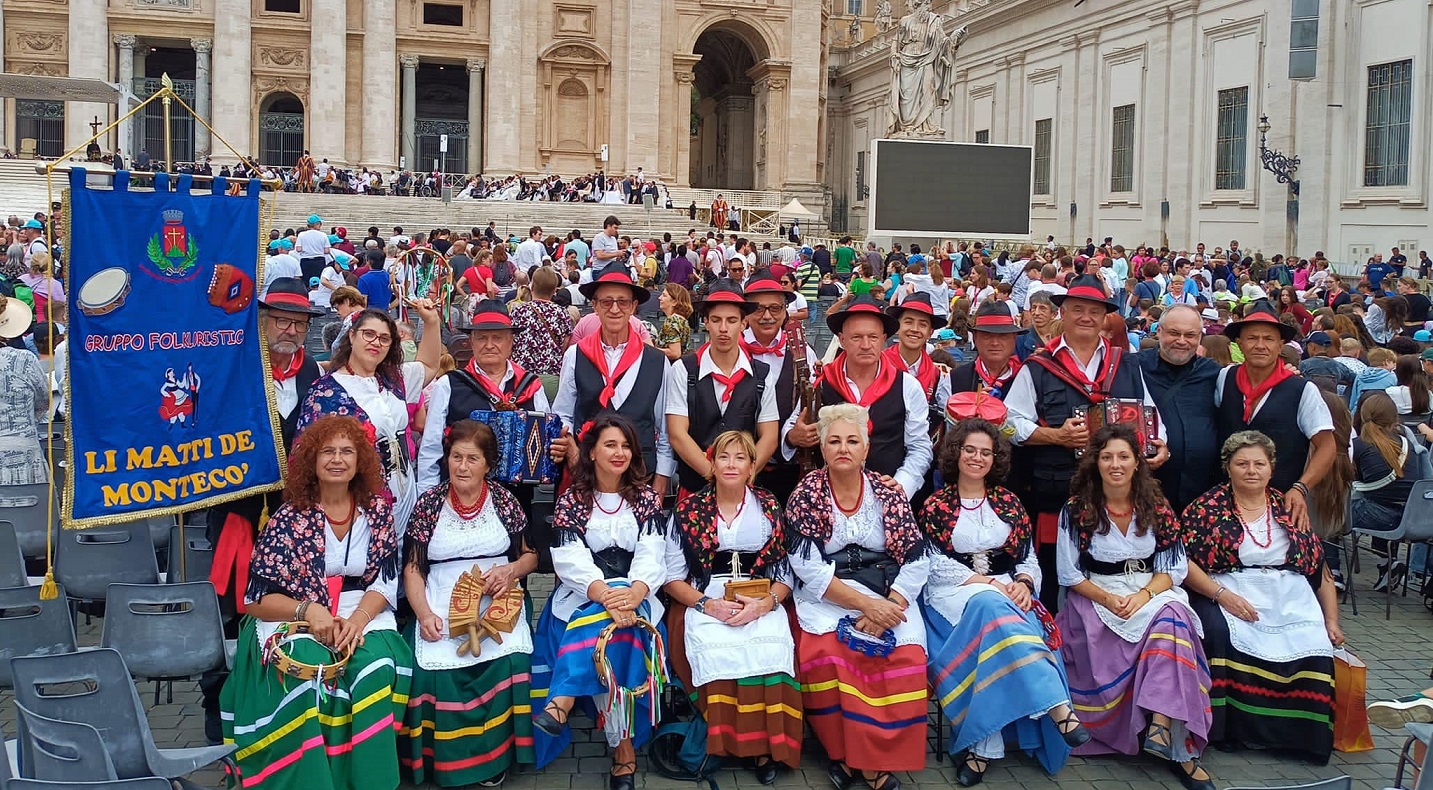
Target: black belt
[
  {"x": 351, "y": 583},
  {"x": 875, "y": 570},
  {"x": 467, "y": 559},
  {"x": 615, "y": 562},
  {"x": 1281, "y": 567},
  {"x": 998, "y": 562},
  {"x": 1134, "y": 565},
  {"x": 721, "y": 563}
]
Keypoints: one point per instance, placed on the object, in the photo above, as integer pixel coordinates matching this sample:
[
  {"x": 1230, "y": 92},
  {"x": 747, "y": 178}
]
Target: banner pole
[{"x": 165, "y": 95}]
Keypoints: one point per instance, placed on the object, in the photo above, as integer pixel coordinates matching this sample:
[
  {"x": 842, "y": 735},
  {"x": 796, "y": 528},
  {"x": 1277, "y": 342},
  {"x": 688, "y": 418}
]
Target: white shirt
[
  {"x": 440, "y": 393},
  {"x": 942, "y": 381},
  {"x": 311, "y": 243},
  {"x": 276, "y": 266},
  {"x": 1020, "y": 401},
  {"x": 1313, "y": 416},
  {"x": 602, "y": 243},
  {"x": 566, "y": 403},
  {"x": 575, "y": 569},
  {"x": 529, "y": 255},
  {"x": 328, "y": 282},
  {"x": 1113, "y": 546},
  {"x": 677, "y": 387},
  {"x": 976, "y": 530}
]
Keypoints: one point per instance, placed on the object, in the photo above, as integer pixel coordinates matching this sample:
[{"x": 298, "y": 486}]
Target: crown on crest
[{"x": 173, "y": 216}]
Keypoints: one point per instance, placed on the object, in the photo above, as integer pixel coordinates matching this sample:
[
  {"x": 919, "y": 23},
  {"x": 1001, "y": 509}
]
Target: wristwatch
[{"x": 701, "y": 604}]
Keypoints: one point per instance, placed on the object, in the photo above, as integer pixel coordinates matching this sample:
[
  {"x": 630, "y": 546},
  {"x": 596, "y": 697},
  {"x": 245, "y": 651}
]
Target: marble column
[
  {"x": 125, "y": 138},
  {"x": 89, "y": 46},
  {"x": 203, "y": 145},
  {"x": 233, "y": 88},
  {"x": 682, "y": 66},
  {"x": 508, "y": 52},
  {"x": 476, "y": 69},
  {"x": 380, "y": 83},
  {"x": 738, "y": 113},
  {"x": 408, "y": 124},
  {"x": 327, "y": 112},
  {"x": 644, "y": 89}
]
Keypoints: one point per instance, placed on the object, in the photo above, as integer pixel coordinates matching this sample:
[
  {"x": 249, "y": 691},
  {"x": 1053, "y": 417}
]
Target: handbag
[{"x": 1350, "y": 716}]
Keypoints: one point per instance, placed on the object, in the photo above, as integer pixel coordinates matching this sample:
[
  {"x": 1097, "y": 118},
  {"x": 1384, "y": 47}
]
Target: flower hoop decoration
[{"x": 622, "y": 700}]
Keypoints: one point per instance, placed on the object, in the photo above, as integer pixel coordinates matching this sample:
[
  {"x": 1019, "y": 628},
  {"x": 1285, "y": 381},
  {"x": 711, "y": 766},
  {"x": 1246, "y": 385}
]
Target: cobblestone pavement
[{"x": 1396, "y": 651}]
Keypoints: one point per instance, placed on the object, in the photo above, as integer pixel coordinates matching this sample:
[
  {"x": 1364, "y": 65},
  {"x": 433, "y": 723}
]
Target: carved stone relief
[{"x": 283, "y": 57}]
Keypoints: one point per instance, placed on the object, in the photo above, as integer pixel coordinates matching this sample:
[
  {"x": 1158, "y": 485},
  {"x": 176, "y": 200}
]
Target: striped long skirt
[
  {"x": 468, "y": 725},
  {"x": 1115, "y": 686},
  {"x": 867, "y": 712},
  {"x": 1285, "y": 705},
  {"x": 296, "y": 735},
  {"x": 993, "y": 673},
  {"x": 749, "y": 717}
]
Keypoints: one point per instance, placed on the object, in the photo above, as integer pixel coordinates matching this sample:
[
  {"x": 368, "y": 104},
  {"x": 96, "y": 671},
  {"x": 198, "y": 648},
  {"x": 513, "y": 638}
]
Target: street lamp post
[{"x": 1283, "y": 167}]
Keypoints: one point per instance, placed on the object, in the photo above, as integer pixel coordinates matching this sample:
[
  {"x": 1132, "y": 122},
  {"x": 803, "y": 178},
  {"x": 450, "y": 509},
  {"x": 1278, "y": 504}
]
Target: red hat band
[
  {"x": 614, "y": 277},
  {"x": 492, "y": 317},
  {"x": 994, "y": 320},
  {"x": 918, "y": 306},
  {"x": 726, "y": 297},
  {"x": 280, "y": 299},
  {"x": 1087, "y": 292}
]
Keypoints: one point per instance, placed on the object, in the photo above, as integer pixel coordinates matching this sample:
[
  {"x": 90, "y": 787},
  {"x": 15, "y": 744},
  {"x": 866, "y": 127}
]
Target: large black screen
[{"x": 950, "y": 189}]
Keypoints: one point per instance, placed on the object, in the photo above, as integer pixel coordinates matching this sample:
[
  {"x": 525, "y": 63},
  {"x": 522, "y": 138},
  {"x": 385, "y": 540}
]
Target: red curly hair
[{"x": 302, "y": 488}]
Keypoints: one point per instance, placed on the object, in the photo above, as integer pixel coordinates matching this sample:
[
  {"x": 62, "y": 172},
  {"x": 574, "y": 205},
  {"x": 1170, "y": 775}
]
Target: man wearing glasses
[
  {"x": 232, "y": 526},
  {"x": 613, "y": 370},
  {"x": 766, "y": 342}
]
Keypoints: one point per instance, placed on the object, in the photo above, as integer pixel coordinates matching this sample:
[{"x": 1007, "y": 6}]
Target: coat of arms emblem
[{"x": 173, "y": 249}]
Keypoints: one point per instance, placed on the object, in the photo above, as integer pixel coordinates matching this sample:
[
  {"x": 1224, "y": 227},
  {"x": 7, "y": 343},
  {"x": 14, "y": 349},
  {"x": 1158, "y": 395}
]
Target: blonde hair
[
  {"x": 724, "y": 441},
  {"x": 40, "y": 262},
  {"x": 858, "y": 416}
]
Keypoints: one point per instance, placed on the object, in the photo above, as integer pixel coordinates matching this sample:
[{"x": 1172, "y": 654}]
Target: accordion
[
  {"x": 1135, "y": 413},
  {"x": 524, "y": 438}
]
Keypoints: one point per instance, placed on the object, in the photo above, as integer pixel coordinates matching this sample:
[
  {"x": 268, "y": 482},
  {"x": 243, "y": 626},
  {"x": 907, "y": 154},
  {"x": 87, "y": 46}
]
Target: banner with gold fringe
[{"x": 169, "y": 405}]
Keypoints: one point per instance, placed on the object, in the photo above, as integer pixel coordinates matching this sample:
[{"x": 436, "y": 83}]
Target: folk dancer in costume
[
  {"x": 232, "y": 526},
  {"x": 718, "y": 388},
  {"x": 1269, "y": 609},
  {"x": 179, "y": 397},
  {"x": 469, "y": 718},
  {"x": 765, "y": 340},
  {"x": 993, "y": 672},
  {"x": 1260, "y": 394},
  {"x": 490, "y": 381},
  {"x": 1079, "y": 369},
  {"x": 993, "y": 370},
  {"x": 899, "y": 438},
  {"x": 610, "y": 560},
  {"x": 369, "y": 380},
  {"x": 1132, "y": 645},
  {"x": 916, "y": 320},
  {"x": 861, "y": 564},
  {"x": 612, "y": 370},
  {"x": 737, "y": 656},
  {"x": 329, "y": 556}
]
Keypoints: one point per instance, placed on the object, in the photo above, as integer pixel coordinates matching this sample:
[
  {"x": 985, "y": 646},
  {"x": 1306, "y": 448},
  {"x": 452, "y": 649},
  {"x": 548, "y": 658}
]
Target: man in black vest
[
  {"x": 613, "y": 370},
  {"x": 232, "y": 526},
  {"x": 1263, "y": 395},
  {"x": 900, "y": 413},
  {"x": 489, "y": 381},
  {"x": 994, "y": 367},
  {"x": 766, "y": 340},
  {"x": 917, "y": 320},
  {"x": 1182, "y": 385},
  {"x": 1081, "y": 370},
  {"x": 719, "y": 388}
]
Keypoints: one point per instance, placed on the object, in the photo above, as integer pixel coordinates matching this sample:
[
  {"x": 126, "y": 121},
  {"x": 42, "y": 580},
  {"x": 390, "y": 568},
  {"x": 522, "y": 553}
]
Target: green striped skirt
[
  {"x": 296, "y": 735},
  {"x": 465, "y": 726}
]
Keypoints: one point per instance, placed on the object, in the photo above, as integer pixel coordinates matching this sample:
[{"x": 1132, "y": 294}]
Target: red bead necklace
[{"x": 468, "y": 512}]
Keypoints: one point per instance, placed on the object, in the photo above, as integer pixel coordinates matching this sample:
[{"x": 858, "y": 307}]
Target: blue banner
[{"x": 169, "y": 404}]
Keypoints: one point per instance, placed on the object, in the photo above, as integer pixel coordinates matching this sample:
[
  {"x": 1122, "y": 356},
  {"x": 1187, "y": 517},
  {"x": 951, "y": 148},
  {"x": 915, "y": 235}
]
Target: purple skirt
[{"x": 1116, "y": 685}]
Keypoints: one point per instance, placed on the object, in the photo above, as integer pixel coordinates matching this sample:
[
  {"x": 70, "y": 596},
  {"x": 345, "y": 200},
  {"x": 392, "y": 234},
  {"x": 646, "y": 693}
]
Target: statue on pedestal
[
  {"x": 883, "y": 16},
  {"x": 922, "y": 71},
  {"x": 853, "y": 32}
]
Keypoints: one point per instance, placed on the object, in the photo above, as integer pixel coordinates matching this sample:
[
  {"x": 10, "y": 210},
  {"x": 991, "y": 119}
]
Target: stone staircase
[{"x": 23, "y": 192}]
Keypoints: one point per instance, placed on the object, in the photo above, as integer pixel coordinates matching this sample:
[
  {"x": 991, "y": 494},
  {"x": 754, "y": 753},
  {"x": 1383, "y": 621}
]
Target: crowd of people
[{"x": 1079, "y": 496}]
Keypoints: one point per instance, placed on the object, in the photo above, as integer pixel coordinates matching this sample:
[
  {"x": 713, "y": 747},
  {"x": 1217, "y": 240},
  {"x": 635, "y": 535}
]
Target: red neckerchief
[
  {"x": 926, "y": 372},
  {"x": 777, "y": 348},
  {"x": 1253, "y": 392},
  {"x": 835, "y": 375},
  {"x": 282, "y": 375},
  {"x": 512, "y": 397},
  {"x": 1068, "y": 368},
  {"x": 729, "y": 382},
  {"x": 591, "y": 347},
  {"x": 991, "y": 382}
]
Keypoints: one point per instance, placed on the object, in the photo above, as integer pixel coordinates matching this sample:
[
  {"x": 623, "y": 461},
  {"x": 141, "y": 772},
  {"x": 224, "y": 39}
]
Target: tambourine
[
  {"x": 621, "y": 704},
  {"x": 104, "y": 292},
  {"x": 273, "y": 654},
  {"x": 423, "y": 266},
  {"x": 862, "y": 643}
]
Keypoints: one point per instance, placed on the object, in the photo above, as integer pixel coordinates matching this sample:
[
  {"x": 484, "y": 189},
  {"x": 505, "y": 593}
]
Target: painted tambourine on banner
[{"x": 104, "y": 292}]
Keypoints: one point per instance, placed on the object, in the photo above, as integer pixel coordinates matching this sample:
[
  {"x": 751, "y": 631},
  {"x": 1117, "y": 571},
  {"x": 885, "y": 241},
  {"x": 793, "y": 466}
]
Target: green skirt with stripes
[{"x": 296, "y": 735}]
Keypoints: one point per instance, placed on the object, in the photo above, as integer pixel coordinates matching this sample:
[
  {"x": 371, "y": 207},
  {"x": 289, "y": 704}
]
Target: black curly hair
[{"x": 955, "y": 439}]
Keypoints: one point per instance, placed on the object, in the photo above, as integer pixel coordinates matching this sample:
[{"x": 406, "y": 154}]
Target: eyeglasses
[
  {"x": 609, "y": 302},
  {"x": 371, "y": 336},
  {"x": 290, "y": 324},
  {"x": 773, "y": 309},
  {"x": 973, "y": 451}
]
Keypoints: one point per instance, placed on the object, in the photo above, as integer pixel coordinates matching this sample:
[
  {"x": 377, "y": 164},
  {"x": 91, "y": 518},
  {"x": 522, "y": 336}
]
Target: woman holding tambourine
[
  {"x": 321, "y": 672},
  {"x": 861, "y": 563},
  {"x": 609, "y": 555},
  {"x": 731, "y": 639}
]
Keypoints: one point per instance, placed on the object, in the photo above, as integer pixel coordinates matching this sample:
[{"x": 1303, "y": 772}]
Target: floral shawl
[
  {"x": 289, "y": 553},
  {"x": 571, "y": 514},
  {"x": 328, "y": 397},
  {"x": 430, "y": 505},
  {"x": 695, "y": 520},
  {"x": 809, "y": 514},
  {"x": 942, "y": 511},
  {"x": 1212, "y": 533},
  {"x": 1168, "y": 539}
]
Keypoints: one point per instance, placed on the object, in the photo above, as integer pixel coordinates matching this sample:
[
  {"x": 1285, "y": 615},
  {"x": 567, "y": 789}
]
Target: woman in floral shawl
[
  {"x": 1269, "y": 610},
  {"x": 329, "y": 557},
  {"x": 736, "y": 656},
  {"x": 861, "y": 563}
]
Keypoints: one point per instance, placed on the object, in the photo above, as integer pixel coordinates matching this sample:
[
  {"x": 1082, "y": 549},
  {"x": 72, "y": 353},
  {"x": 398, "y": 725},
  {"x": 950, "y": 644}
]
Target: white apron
[{"x": 1291, "y": 622}]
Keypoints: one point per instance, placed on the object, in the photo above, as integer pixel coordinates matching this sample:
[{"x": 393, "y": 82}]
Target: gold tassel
[
  {"x": 49, "y": 590},
  {"x": 263, "y": 518}
]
